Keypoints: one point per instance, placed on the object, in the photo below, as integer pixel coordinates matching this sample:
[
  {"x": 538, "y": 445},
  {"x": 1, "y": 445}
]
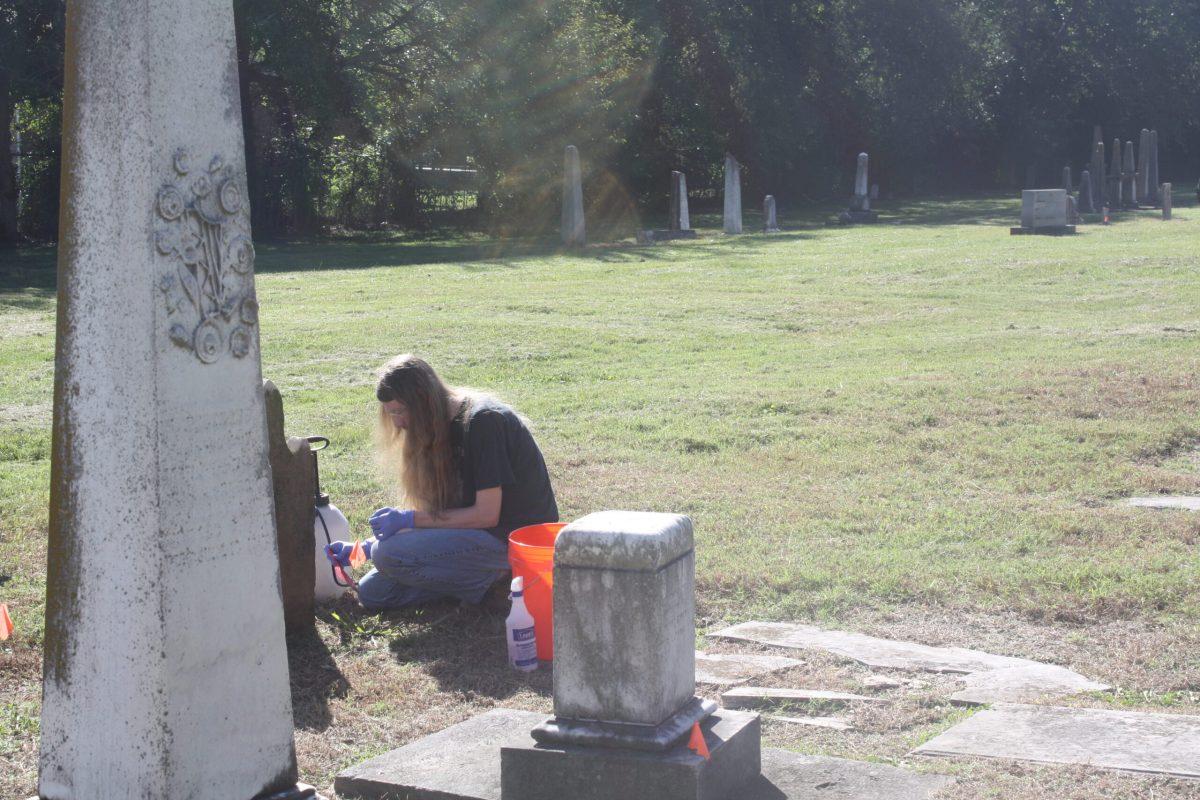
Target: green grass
[{"x": 926, "y": 413}]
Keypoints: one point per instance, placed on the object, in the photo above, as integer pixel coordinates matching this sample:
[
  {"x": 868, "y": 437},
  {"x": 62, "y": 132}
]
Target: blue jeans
[{"x": 418, "y": 566}]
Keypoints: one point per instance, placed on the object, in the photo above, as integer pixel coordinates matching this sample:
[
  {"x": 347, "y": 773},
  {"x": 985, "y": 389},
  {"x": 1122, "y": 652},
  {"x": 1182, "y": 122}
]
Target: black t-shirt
[{"x": 494, "y": 448}]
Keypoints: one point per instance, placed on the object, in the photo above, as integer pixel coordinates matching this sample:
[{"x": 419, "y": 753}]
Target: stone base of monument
[
  {"x": 301, "y": 791},
  {"x": 662, "y": 235},
  {"x": 538, "y": 771},
  {"x": 1049, "y": 230},
  {"x": 463, "y": 762},
  {"x": 653, "y": 738},
  {"x": 852, "y": 217}
]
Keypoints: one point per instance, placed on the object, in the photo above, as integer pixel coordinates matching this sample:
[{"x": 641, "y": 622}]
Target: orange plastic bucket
[{"x": 531, "y": 555}]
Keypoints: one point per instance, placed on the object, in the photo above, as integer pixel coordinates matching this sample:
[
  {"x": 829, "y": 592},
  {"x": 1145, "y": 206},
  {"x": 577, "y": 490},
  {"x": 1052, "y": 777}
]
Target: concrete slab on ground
[
  {"x": 832, "y": 723},
  {"x": 1181, "y": 502},
  {"x": 730, "y": 669},
  {"x": 766, "y": 697},
  {"x": 1022, "y": 685},
  {"x": 791, "y": 776},
  {"x": 870, "y": 650},
  {"x": 1127, "y": 740},
  {"x": 461, "y": 762}
]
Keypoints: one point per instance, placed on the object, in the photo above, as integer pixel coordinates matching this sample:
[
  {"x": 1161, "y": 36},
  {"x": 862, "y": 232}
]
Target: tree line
[{"x": 356, "y": 112}]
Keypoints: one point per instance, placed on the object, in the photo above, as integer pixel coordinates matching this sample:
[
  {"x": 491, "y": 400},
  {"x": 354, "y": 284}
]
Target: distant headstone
[
  {"x": 1166, "y": 201},
  {"x": 1143, "y": 164},
  {"x": 859, "y": 209},
  {"x": 574, "y": 231},
  {"x": 1066, "y": 179},
  {"x": 770, "y": 223},
  {"x": 294, "y": 478},
  {"x": 1152, "y": 179},
  {"x": 1129, "y": 193},
  {"x": 1086, "y": 193},
  {"x": 733, "y": 195},
  {"x": 1045, "y": 211},
  {"x": 1099, "y": 183},
  {"x": 680, "y": 220},
  {"x": 165, "y": 671},
  {"x": 1116, "y": 199},
  {"x": 874, "y": 195}
]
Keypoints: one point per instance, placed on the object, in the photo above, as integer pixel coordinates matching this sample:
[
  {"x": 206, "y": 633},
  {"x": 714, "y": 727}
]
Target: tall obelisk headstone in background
[
  {"x": 574, "y": 232},
  {"x": 1115, "y": 188},
  {"x": 1066, "y": 177},
  {"x": 1143, "y": 164},
  {"x": 165, "y": 667},
  {"x": 1129, "y": 190},
  {"x": 733, "y": 195},
  {"x": 1099, "y": 182},
  {"x": 1085, "y": 205},
  {"x": 770, "y": 223},
  {"x": 680, "y": 219},
  {"x": 1152, "y": 180}
]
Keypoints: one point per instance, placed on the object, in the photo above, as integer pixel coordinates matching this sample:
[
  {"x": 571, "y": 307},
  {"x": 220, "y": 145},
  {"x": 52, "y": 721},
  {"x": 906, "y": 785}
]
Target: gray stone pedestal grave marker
[
  {"x": 1099, "y": 185},
  {"x": 165, "y": 670},
  {"x": 1045, "y": 211},
  {"x": 860, "y": 203},
  {"x": 1166, "y": 201},
  {"x": 679, "y": 223},
  {"x": 1152, "y": 179},
  {"x": 733, "y": 195},
  {"x": 574, "y": 231},
  {"x": 1086, "y": 193},
  {"x": 1143, "y": 165},
  {"x": 624, "y": 674},
  {"x": 1115, "y": 186},
  {"x": 770, "y": 223},
  {"x": 1129, "y": 192},
  {"x": 1066, "y": 178}
]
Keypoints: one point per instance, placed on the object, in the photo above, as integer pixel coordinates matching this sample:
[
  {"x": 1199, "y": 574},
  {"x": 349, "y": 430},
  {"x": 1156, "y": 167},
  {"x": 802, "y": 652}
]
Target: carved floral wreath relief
[{"x": 210, "y": 293}]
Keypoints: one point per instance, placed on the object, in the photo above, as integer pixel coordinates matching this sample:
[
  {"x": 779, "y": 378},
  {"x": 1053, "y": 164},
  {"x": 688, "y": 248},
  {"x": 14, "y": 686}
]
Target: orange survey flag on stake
[
  {"x": 696, "y": 742},
  {"x": 357, "y": 556},
  {"x": 6, "y": 626}
]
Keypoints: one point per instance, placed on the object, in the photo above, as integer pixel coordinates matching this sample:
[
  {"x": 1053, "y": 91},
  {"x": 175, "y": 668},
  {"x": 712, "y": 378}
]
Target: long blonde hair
[{"x": 422, "y": 454}]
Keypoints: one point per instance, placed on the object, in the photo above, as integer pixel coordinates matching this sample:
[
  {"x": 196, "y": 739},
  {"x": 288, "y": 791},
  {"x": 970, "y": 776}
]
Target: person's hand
[
  {"x": 386, "y": 521},
  {"x": 339, "y": 553}
]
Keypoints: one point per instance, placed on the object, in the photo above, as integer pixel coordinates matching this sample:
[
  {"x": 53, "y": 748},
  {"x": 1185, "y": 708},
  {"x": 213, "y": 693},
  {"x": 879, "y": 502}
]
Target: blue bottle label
[{"x": 523, "y": 635}]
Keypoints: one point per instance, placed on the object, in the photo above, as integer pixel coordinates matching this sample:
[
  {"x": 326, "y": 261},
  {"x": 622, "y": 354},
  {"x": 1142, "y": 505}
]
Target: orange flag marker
[
  {"x": 696, "y": 742},
  {"x": 357, "y": 556},
  {"x": 6, "y": 626}
]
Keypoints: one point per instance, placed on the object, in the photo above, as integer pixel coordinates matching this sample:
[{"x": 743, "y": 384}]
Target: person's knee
[
  {"x": 393, "y": 556},
  {"x": 372, "y": 592}
]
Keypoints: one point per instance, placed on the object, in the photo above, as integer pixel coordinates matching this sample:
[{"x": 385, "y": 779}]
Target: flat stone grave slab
[
  {"x": 462, "y": 761},
  {"x": 869, "y": 650},
  {"x": 1127, "y": 740},
  {"x": 791, "y": 776},
  {"x": 1022, "y": 685},
  {"x": 730, "y": 669},
  {"x": 832, "y": 723},
  {"x": 1180, "y": 502},
  {"x": 764, "y": 697}
]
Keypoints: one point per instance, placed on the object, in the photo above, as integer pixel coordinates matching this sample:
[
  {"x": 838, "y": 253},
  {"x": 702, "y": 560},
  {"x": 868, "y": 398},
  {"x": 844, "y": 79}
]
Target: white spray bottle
[{"x": 519, "y": 632}]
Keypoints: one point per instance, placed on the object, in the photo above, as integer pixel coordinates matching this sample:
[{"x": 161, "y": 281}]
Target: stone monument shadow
[
  {"x": 462, "y": 648},
  {"x": 315, "y": 679}
]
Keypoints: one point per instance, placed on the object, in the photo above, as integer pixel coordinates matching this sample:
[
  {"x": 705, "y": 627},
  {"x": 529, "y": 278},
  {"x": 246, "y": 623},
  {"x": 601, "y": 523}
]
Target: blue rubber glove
[
  {"x": 339, "y": 553},
  {"x": 368, "y": 547},
  {"x": 387, "y": 521}
]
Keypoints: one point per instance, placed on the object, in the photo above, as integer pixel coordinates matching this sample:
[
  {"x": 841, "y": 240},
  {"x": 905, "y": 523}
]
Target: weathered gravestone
[
  {"x": 733, "y": 195},
  {"x": 1166, "y": 201},
  {"x": 1086, "y": 193},
  {"x": 1045, "y": 211},
  {"x": 294, "y": 478},
  {"x": 1129, "y": 192},
  {"x": 1099, "y": 184},
  {"x": 680, "y": 219},
  {"x": 165, "y": 669},
  {"x": 1116, "y": 199},
  {"x": 624, "y": 674},
  {"x": 574, "y": 231},
  {"x": 1143, "y": 165},
  {"x": 1066, "y": 179},
  {"x": 1152, "y": 180},
  {"x": 770, "y": 223},
  {"x": 860, "y": 203}
]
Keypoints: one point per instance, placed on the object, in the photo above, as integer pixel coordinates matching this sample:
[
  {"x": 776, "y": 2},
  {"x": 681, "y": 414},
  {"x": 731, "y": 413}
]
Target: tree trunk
[{"x": 8, "y": 172}]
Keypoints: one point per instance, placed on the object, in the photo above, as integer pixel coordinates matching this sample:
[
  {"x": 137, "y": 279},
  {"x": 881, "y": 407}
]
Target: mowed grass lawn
[{"x": 918, "y": 428}]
